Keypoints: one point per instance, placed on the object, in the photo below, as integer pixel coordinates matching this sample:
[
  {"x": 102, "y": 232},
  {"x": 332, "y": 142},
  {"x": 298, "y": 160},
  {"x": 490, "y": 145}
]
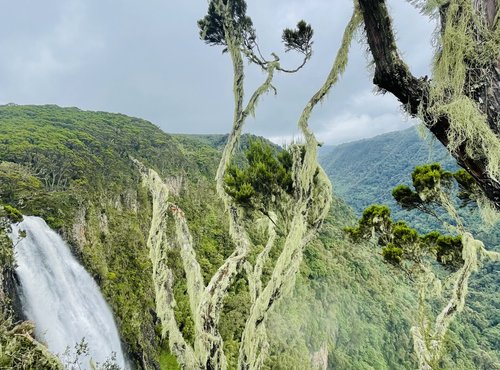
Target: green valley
[{"x": 349, "y": 309}]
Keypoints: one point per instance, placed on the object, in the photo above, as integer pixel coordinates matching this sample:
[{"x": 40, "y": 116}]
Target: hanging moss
[
  {"x": 466, "y": 46},
  {"x": 412, "y": 254}
]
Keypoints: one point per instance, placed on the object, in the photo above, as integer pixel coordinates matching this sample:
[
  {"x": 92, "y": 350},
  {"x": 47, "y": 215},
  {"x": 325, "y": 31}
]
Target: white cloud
[
  {"x": 146, "y": 60},
  {"x": 365, "y": 115},
  {"x": 51, "y": 51},
  {"x": 352, "y": 126}
]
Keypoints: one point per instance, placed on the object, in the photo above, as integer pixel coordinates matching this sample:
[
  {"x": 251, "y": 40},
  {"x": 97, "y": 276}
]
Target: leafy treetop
[
  {"x": 264, "y": 180},
  {"x": 232, "y": 13},
  {"x": 212, "y": 28},
  {"x": 402, "y": 245},
  {"x": 299, "y": 39}
]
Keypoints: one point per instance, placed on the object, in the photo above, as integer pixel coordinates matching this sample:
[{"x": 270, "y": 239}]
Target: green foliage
[
  {"x": 377, "y": 216},
  {"x": 405, "y": 197},
  {"x": 167, "y": 361},
  {"x": 299, "y": 39},
  {"x": 212, "y": 27},
  {"x": 18, "y": 350},
  {"x": 6, "y": 250},
  {"x": 263, "y": 181},
  {"x": 429, "y": 179},
  {"x": 448, "y": 249},
  {"x": 13, "y": 213},
  {"x": 401, "y": 242},
  {"x": 375, "y": 219},
  {"x": 392, "y": 254},
  {"x": 17, "y": 183},
  {"x": 403, "y": 234}
]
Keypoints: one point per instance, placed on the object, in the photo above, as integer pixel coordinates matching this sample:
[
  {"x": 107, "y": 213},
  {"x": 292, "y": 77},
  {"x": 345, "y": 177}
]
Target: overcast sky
[{"x": 145, "y": 59}]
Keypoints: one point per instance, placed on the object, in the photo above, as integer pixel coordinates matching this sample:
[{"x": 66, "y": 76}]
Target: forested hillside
[
  {"x": 365, "y": 172},
  {"x": 75, "y": 169}
]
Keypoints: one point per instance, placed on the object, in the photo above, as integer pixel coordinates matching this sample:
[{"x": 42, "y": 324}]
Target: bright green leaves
[
  {"x": 404, "y": 235},
  {"x": 264, "y": 180},
  {"x": 392, "y": 254},
  {"x": 448, "y": 249},
  {"x": 429, "y": 180},
  {"x": 397, "y": 240},
  {"x": 430, "y": 183},
  {"x": 299, "y": 39},
  {"x": 375, "y": 219},
  {"x": 406, "y": 198},
  {"x": 377, "y": 216},
  {"x": 13, "y": 213},
  {"x": 400, "y": 243}
]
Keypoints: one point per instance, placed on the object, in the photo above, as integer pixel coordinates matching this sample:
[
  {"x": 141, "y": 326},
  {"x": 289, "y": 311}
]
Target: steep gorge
[{"x": 346, "y": 298}]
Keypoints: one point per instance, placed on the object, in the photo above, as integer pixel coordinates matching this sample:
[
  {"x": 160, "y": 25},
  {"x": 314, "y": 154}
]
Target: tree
[
  {"x": 425, "y": 259},
  {"x": 302, "y": 196},
  {"x": 460, "y": 105}
]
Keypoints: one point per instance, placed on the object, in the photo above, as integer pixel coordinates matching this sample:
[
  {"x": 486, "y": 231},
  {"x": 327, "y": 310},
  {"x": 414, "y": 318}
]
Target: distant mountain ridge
[{"x": 365, "y": 171}]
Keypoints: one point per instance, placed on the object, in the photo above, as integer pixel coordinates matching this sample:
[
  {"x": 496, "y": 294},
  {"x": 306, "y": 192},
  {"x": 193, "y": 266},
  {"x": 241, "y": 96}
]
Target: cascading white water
[{"x": 60, "y": 296}]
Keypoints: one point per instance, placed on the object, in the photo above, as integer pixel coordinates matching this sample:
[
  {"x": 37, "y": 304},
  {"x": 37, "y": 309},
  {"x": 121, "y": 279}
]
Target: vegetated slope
[
  {"x": 74, "y": 169},
  {"x": 365, "y": 172}
]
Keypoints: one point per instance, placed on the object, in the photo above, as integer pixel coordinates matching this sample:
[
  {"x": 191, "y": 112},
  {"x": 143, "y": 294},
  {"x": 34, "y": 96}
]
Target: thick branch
[
  {"x": 254, "y": 273},
  {"x": 393, "y": 75},
  {"x": 162, "y": 275},
  {"x": 194, "y": 278}
]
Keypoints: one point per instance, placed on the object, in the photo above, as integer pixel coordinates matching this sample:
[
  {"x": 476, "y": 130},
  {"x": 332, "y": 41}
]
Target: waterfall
[{"x": 59, "y": 296}]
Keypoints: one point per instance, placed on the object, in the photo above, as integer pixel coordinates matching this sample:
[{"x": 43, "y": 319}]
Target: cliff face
[{"x": 74, "y": 169}]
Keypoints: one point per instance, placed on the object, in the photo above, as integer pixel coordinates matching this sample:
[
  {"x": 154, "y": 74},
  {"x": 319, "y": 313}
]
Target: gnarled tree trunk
[{"x": 393, "y": 75}]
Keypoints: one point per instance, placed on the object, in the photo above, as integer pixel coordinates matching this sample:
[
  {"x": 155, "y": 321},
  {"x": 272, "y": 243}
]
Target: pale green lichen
[
  {"x": 162, "y": 275},
  {"x": 487, "y": 210},
  {"x": 467, "y": 46},
  {"x": 468, "y": 125},
  {"x": 207, "y": 350},
  {"x": 428, "y": 336},
  {"x": 309, "y": 207}
]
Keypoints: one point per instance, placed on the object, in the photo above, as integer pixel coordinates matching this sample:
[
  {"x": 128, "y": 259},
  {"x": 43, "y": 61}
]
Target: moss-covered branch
[
  {"x": 309, "y": 206},
  {"x": 162, "y": 275},
  {"x": 466, "y": 76}
]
